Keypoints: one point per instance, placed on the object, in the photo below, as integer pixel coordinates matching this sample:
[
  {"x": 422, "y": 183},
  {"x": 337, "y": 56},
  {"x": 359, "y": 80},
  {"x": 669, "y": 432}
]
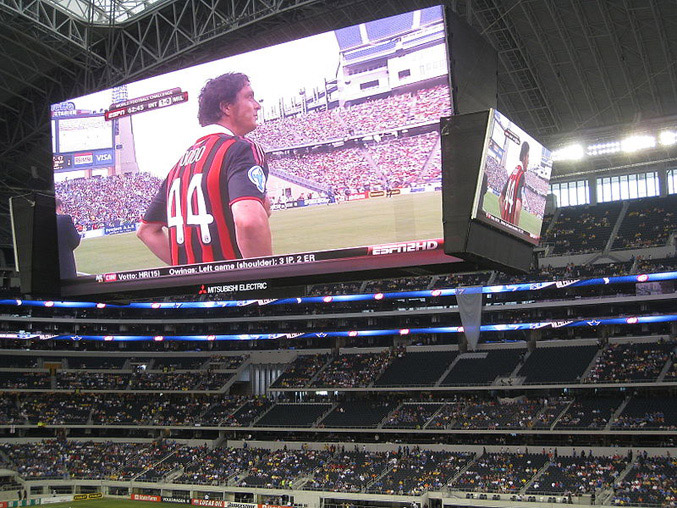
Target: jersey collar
[{"x": 215, "y": 128}]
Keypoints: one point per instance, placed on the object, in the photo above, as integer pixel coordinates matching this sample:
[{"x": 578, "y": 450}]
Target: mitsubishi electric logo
[{"x": 232, "y": 288}]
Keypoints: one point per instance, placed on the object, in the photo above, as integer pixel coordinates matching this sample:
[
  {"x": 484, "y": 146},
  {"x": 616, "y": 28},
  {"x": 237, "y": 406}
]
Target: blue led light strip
[
  {"x": 428, "y": 293},
  {"x": 628, "y": 320}
]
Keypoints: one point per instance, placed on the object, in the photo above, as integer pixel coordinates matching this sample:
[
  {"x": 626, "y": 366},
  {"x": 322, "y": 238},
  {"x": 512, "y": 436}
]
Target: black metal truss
[{"x": 519, "y": 85}]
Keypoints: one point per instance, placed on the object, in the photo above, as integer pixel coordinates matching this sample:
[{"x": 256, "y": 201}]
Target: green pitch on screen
[
  {"x": 322, "y": 227},
  {"x": 528, "y": 221}
]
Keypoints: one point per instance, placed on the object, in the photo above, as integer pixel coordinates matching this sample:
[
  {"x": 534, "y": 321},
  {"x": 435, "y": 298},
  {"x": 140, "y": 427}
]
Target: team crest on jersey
[{"x": 257, "y": 177}]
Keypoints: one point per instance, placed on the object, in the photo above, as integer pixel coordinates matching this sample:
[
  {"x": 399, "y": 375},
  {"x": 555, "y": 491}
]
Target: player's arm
[
  {"x": 252, "y": 229},
  {"x": 518, "y": 210},
  {"x": 501, "y": 200},
  {"x": 249, "y": 204},
  {"x": 518, "y": 200},
  {"x": 153, "y": 230},
  {"x": 154, "y": 235}
]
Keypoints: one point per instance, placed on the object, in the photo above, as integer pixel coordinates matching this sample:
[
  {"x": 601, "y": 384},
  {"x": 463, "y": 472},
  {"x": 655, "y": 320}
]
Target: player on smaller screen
[
  {"x": 213, "y": 204},
  {"x": 510, "y": 200}
]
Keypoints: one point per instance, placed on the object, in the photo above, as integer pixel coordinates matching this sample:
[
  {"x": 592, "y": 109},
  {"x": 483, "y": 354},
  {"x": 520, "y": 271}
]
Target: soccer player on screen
[
  {"x": 510, "y": 200},
  {"x": 213, "y": 204}
]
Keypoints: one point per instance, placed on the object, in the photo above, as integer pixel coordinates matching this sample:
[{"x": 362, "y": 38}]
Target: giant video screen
[
  {"x": 513, "y": 180},
  {"x": 324, "y": 158}
]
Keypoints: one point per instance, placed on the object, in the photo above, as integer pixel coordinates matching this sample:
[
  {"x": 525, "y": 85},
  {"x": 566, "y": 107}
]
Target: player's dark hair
[
  {"x": 524, "y": 151},
  {"x": 219, "y": 90}
]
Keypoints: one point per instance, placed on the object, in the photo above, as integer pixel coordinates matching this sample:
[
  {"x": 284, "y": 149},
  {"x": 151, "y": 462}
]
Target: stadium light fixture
[
  {"x": 630, "y": 144},
  {"x": 569, "y": 153},
  {"x": 667, "y": 138},
  {"x": 637, "y": 143},
  {"x": 604, "y": 148}
]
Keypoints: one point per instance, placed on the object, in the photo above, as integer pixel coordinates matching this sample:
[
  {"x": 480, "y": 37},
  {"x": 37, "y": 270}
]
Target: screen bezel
[{"x": 434, "y": 260}]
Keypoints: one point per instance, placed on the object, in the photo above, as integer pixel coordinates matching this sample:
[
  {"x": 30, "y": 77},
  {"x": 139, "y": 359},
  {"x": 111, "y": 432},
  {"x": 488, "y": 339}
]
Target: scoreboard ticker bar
[
  {"x": 227, "y": 266},
  {"x": 275, "y": 262},
  {"x": 147, "y": 103}
]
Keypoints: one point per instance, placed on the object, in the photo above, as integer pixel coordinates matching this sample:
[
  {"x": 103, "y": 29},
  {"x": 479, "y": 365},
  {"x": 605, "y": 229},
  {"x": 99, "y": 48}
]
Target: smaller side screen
[{"x": 514, "y": 179}]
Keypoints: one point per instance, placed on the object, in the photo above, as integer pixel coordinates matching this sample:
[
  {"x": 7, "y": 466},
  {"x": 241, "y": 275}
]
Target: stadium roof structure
[
  {"x": 106, "y": 12},
  {"x": 565, "y": 66}
]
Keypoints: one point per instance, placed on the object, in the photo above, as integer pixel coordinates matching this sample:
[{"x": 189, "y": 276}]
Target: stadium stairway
[
  {"x": 299, "y": 483},
  {"x": 462, "y": 471},
  {"x": 664, "y": 372},
  {"x": 431, "y": 155},
  {"x": 377, "y": 170},
  {"x": 551, "y": 224},
  {"x": 539, "y": 473},
  {"x": 514, "y": 373},
  {"x": 226, "y": 387},
  {"x": 319, "y": 421},
  {"x": 233, "y": 480},
  {"x": 319, "y": 371},
  {"x": 593, "y": 362},
  {"x": 256, "y": 420},
  {"x": 565, "y": 411},
  {"x": 383, "y": 474},
  {"x": 385, "y": 419},
  {"x": 433, "y": 416},
  {"x": 617, "y": 413},
  {"x": 173, "y": 475},
  {"x": 605, "y": 497},
  {"x": 617, "y": 226},
  {"x": 446, "y": 372}
]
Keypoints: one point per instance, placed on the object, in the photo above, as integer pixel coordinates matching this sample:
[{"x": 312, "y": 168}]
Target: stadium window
[
  {"x": 369, "y": 84},
  {"x": 615, "y": 189},
  {"x": 625, "y": 188},
  {"x": 634, "y": 186},
  {"x": 571, "y": 193},
  {"x": 562, "y": 197},
  {"x": 653, "y": 185},
  {"x": 641, "y": 186},
  {"x": 583, "y": 192},
  {"x": 672, "y": 181},
  {"x": 601, "y": 190},
  {"x": 404, "y": 74}
]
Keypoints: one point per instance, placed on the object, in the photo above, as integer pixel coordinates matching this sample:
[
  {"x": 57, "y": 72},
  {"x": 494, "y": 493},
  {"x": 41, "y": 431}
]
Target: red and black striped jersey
[
  {"x": 194, "y": 200},
  {"x": 512, "y": 192}
]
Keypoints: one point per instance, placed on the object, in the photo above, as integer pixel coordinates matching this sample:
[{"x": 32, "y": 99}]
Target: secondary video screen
[
  {"x": 326, "y": 158},
  {"x": 514, "y": 178}
]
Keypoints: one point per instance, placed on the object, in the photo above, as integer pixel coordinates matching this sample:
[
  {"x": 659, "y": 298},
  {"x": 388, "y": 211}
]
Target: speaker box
[
  {"x": 36, "y": 249},
  {"x": 463, "y": 139}
]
